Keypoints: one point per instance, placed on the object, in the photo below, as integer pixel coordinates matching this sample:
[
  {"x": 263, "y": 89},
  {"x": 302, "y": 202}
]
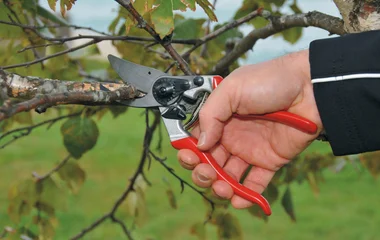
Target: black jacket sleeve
[{"x": 345, "y": 73}]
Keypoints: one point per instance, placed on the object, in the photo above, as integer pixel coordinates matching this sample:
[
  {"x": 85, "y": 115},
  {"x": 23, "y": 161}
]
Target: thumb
[{"x": 213, "y": 115}]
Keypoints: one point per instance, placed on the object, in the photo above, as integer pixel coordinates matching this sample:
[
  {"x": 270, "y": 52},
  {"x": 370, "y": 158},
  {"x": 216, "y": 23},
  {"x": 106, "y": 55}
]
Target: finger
[
  {"x": 212, "y": 116},
  {"x": 188, "y": 159},
  {"x": 203, "y": 175},
  {"x": 257, "y": 180},
  {"x": 235, "y": 167},
  {"x": 222, "y": 189}
]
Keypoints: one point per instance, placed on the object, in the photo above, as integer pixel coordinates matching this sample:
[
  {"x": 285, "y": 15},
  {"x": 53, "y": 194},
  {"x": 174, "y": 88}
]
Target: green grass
[{"x": 346, "y": 208}]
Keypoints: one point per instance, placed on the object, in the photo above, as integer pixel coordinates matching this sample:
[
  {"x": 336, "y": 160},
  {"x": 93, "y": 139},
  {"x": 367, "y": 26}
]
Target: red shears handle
[
  {"x": 284, "y": 117},
  {"x": 239, "y": 189}
]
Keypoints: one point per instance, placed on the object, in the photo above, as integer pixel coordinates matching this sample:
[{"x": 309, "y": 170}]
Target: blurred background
[{"x": 345, "y": 205}]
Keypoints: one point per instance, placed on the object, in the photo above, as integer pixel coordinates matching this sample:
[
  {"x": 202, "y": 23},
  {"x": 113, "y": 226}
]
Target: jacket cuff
[{"x": 345, "y": 73}]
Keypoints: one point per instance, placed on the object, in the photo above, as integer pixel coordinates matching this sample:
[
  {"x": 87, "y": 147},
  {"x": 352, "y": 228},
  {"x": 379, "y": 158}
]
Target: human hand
[{"x": 280, "y": 84}]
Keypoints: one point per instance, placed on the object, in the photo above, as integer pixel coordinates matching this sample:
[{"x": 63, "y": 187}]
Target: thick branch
[
  {"x": 316, "y": 19},
  {"x": 359, "y": 16},
  {"x": 27, "y": 87},
  {"x": 47, "y": 92}
]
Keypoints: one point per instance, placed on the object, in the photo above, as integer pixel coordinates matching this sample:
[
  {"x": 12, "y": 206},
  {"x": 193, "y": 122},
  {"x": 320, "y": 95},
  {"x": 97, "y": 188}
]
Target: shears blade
[{"x": 139, "y": 76}]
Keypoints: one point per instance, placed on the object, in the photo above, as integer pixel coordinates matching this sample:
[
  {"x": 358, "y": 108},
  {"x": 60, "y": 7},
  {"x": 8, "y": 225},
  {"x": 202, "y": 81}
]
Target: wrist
[{"x": 300, "y": 65}]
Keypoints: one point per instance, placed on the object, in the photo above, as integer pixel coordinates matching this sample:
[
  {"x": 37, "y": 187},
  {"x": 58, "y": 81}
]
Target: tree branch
[
  {"x": 47, "y": 92},
  {"x": 183, "y": 183},
  {"x": 25, "y": 131},
  {"x": 60, "y": 40},
  {"x": 359, "y": 16},
  {"x": 164, "y": 42},
  {"x": 55, "y": 169},
  {"x": 27, "y": 64},
  {"x": 140, "y": 170},
  {"x": 225, "y": 28},
  {"x": 316, "y": 19}
]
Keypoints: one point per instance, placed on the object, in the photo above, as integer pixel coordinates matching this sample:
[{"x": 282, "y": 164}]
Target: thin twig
[
  {"x": 220, "y": 31},
  {"x": 207, "y": 31},
  {"x": 25, "y": 131},
  {"x": 183, "y": 183},
  {"x": 111, "y": 214},
  {"x": 35, "y": 53},
  {"x": 27, "y": 64},
  {"x": 96, "y": 37},
  {"x": 54, "y": 170},
  {"x": 166, "y": 43}
]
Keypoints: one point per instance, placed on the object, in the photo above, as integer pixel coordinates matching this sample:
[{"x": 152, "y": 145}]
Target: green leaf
[
  {"x": 8, "y": 32},
  {"x": 66, "y": 5},
  {"x": 287, "y": 203},
  {"x": 46, "y": 208},
  {"x": 247, "y": 7},
  {"x": 189, "y": 3},
  {"x": 259, "y": 22},
  {"x": 222, "y": 39},
  {"x": 118, "y": 110},
  {"x": 179, "y": 5},
  {"x": 278, "y": 3},
  {"x": 22, "y": 197},
  {"x": 292, "y": 35},
  {"x": 91, "y": 51},
  {"x": 182, "y": 5},
  {"x": 50, "y": 194},
  {"x": 42, "y": 12},
  {"x": 73, "y": 175},
  {"x": 371, "y": 161},
  {"x": 52, "y": 4},
  {"x": 228, "y": 226},
  {"x": 135, "y": 204},
  {"x": 114, "y": 23},
  {"x": 295, "y": 7},
  {"x": 313, "y": 182},
  {"x": 188, "y": 28},
  {"x": 208, "y": 8},
  {"x": 46, "y": 228},
  {"x": 30, "y": 5},
  {"x": 162, "y": 18},
  {"x": 271, "y": 194},
  {"x": 171, "y": 198},
  {"x": 80, "y": 134},
  {"x": 23, "y": 118},
  {"x": 199, "y": 230},
  {"x": 5, "y": 125}
]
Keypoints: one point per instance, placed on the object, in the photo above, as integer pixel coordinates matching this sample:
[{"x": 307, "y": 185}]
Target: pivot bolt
[{"x": 198, "y": 81}]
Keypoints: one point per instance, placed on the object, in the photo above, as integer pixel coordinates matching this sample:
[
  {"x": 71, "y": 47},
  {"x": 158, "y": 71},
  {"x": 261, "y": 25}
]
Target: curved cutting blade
[{"x": 139, "y": 76}]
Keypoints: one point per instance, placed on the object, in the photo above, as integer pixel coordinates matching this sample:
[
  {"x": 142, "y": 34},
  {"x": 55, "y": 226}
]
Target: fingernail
[
  {"x": 202, "y": 178},
  {"x": 202, "y": 139},
  {"x": 187, "y": 164}
]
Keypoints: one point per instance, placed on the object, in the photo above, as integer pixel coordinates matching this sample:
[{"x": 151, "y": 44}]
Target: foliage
[{"x": 34, "y": 201}]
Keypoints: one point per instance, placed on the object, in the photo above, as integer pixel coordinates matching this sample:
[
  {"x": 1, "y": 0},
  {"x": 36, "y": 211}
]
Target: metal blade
[
  {"x": 140, "y": 76},
  {"x": 144, "y": 102}
]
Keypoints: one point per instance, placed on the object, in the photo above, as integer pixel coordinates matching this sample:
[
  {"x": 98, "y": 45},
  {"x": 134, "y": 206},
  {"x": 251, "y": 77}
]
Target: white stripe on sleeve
[{"x": 346, "y": 77}]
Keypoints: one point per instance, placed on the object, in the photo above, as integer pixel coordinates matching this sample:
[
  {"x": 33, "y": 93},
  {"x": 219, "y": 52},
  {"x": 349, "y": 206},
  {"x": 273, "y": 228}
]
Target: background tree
[{"x": 42, "y": 71}]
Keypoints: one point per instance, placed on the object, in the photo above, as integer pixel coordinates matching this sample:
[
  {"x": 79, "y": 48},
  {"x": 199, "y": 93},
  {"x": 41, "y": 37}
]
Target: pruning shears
[{"x": 178, "y": 96}]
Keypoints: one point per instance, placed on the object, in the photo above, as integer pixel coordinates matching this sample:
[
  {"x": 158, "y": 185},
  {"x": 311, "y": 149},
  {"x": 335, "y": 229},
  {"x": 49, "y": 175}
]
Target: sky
[{"x": 99, "y": 13}]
